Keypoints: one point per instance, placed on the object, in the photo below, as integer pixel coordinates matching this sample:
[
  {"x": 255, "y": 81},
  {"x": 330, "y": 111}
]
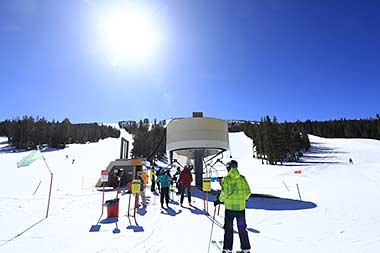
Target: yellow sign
[
  {"x": 206, "y": 184},
  {"x": 136, "y": 186}
]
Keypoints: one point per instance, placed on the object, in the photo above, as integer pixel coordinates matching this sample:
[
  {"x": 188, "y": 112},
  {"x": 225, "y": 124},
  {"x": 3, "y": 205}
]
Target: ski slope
[{"x": 339, "y": 210}]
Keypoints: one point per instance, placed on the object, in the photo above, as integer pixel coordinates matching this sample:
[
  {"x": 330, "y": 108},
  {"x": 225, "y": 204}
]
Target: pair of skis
[{"x": 219, "y": 246}]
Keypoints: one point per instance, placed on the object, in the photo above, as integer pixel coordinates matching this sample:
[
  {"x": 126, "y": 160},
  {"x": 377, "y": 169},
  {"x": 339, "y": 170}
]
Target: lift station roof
[{"x": 186, "y": 135}]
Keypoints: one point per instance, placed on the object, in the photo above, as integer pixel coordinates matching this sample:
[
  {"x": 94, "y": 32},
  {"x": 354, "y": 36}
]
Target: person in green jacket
[{"x": 235, "y": 193}]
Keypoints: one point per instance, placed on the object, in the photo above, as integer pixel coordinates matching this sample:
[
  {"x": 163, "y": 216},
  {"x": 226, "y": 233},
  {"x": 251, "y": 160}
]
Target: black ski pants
[
  {"x": 229, "y": 217},
  {"x": 164, "y": 195},
  {"x": 153, "y": 186}
]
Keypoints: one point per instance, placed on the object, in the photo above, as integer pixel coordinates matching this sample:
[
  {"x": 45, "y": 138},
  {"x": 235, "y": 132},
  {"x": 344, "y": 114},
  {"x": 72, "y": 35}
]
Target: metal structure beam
[{"x": 198, "y": 166}]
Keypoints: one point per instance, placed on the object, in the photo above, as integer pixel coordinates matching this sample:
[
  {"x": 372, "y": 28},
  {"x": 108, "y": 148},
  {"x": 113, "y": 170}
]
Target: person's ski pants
[
  {"x": 183, "y": 189},
  {"x": 164, "y": 195},
  {"x": 229, "y": 217},
  {"x": 153, "y": 186},
  {"x": 142, "y": 194}
]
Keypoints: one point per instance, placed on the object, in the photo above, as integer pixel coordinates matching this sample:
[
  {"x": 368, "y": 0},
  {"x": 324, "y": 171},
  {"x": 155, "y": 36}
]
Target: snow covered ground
[{"x": 339, "y": 210}]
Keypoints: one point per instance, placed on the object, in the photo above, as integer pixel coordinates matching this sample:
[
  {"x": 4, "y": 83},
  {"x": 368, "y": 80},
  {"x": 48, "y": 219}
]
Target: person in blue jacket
[{"x": 164, "y": 179}]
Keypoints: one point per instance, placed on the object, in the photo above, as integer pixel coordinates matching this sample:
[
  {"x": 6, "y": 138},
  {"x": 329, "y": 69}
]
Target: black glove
[{"x": 217, "y": 202}]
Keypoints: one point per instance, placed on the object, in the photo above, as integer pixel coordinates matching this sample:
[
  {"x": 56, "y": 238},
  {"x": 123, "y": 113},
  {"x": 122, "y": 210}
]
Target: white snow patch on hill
[{"x": 338, "y": 212}]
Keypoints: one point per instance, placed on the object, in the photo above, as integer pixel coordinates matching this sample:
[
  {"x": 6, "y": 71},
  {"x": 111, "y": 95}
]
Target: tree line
[
  {"x": 148, "y": 137},
  {"x": 343, "y": 128},
  {"x": 271, "y": 141},
  {"x": 276, "y": 142},
  {"x": 27, "y": 132}
]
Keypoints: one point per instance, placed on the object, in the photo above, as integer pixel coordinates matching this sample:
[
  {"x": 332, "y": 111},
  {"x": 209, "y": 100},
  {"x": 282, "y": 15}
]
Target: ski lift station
[
  {"x": 196, "y": 139},
  {"x": 122, "y": 171},
  {"x": 192, "y": 140}
]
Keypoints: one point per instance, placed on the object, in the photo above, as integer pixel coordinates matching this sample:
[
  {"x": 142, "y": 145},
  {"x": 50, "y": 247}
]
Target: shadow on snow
[
  {"x": 9, "y": 149},
  {"x": 170, "y": 211},
  {"x": 317, "y": 149},
  {"x": 263, "y": 202},
  {"x": 278, "y": 204}
]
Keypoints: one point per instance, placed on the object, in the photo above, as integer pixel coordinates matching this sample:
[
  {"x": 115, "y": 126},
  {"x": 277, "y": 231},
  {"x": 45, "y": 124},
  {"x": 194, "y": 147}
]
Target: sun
[{"x": 130, "y": 35}]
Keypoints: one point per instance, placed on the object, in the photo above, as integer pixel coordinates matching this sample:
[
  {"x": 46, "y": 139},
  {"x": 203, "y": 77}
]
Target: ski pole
[
  {"x": 155, "y": 197},
  {"x": 136, "y": 203},
  {"x": 212, "y": 227},
  {"x": 129, "y": 202},
  {"x": 102, "y": 206}
]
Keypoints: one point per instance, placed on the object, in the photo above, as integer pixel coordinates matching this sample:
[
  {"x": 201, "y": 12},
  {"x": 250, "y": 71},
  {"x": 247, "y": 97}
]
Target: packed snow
[{"x": 335, "y": 210}]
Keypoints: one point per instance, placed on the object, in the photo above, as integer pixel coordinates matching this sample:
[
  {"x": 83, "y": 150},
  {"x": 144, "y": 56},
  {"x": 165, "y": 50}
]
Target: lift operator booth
[
  {"x": 120, "y": 174},
  {"x": 123, "y": 168},
  {"x": 126, "y": 169}
]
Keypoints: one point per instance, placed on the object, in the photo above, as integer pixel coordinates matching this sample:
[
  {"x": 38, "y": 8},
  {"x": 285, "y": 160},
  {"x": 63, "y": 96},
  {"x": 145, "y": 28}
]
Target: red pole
[
  {"x": 207, "y": 202},
  {"x": 129, "y": 203},
  {"x": 102, "y": 205},
  {"x": 118, "y": 187},
  {"x": 134, "y": 211},
  {"x": 204, "y": 202},
  {"x": 51, "y": 183}
]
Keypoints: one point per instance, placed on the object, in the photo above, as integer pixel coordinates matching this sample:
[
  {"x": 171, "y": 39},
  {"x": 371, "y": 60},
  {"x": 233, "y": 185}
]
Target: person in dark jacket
[
  {"x": 235, "y": 193},
  {"x": 177, "y": 181},
  {"x": 158, "y": 173},
  {"x": 164, "y": 180},
  {"x": 185, "y": 179}
]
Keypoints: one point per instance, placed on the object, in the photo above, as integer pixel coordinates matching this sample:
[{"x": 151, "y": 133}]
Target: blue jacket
[{"x": 164, "y": 179}]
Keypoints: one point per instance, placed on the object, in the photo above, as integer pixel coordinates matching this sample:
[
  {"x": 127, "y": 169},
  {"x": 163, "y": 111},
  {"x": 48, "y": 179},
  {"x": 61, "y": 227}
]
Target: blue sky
[{"x": 295, "y": 59}]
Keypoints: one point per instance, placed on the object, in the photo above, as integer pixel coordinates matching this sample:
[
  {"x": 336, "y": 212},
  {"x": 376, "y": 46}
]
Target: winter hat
[{"x": 232, "y": 164}]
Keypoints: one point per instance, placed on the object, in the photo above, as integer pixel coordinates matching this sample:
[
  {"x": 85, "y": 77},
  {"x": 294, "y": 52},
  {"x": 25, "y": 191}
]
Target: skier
[
  {"x": 158, "y": 173},
  {"x": 142, "y": 189},
  {"x": 350, "y": 161},
  {"x": 177, "y": 181},
  {"x": 186, "y": 178},
  {"x": 152, "y": 176},
  {"x": 73, "y": 161},
  {"x": 164, "y": 179},
  {"x": 235, "y": 192},
  {"x": 144, "y": 176}
]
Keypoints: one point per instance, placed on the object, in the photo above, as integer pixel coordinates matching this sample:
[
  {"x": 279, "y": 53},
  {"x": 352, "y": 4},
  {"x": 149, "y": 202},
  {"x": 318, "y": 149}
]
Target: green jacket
[{"x": 235, "y": 191}]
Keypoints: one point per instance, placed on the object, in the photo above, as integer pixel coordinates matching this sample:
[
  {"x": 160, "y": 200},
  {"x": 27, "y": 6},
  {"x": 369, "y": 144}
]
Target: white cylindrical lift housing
[{"x": 186, "y": 135}]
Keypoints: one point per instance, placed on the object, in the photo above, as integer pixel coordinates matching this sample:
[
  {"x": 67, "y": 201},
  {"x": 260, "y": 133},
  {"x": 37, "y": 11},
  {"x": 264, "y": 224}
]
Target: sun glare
[{"x": 130, "y": 36}]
